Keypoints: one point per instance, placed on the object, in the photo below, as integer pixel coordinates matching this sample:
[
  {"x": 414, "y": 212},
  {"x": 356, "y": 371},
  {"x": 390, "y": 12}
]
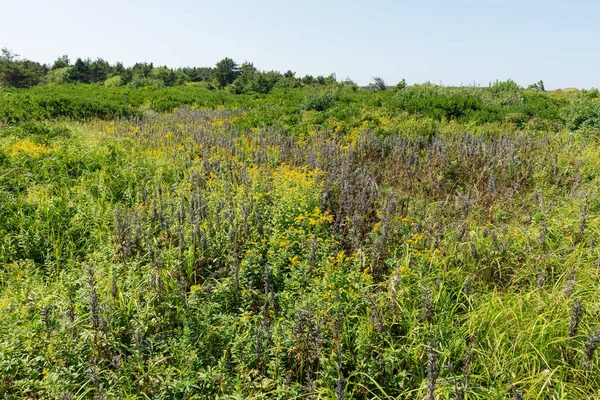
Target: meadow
[{"x": 317, "y": 242}]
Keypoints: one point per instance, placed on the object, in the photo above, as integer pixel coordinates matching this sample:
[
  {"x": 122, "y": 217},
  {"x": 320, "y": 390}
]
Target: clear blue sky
[{"x": 452, "y": 42}]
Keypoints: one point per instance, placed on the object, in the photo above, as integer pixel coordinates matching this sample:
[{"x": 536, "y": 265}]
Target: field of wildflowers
[{"x": 432, "y": 243}]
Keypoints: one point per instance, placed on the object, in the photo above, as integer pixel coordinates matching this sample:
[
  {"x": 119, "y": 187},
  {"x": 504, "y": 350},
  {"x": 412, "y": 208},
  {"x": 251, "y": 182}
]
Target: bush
[
  {"x": 115, "y": 81},
  {"x": 505, "y": 86},
  {"x": 57, "y": 76},
  {"x": 377, "y": 85},
  {"x": 593, "y": 93},
  {"x": 40, "y": 131},
  {"x": 141, "y": 81},
  {"x": 437, "y": 102},
  {"x": 582, "y": 116},
  {"x": 320, "y": 101}
]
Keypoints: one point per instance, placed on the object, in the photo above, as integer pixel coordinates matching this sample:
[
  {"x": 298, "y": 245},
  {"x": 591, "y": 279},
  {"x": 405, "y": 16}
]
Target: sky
[{"x": 455, "y": 43}]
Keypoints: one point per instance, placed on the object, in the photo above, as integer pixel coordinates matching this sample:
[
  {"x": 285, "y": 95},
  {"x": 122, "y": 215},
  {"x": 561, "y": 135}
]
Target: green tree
[
  {"x": 114, "y": 81},
  {"x": 244, "y": 80},
  {"x": 181, "y": 77},
  {"x": 80, "y": 72},
  {"x": 199, "y": 74},
  {"x": 99, "y": 70},
  {"x": 288, "y": 79},
  {"x": 308, "y": 80},
  {"x": 19, "y": 73},
  {"x": 142, "y": 69},
  {"x": 505, "y": 86},
  {"x": 331, "y": 79},
  {"x": 164, "y": 74},
  {"x": 377, "y": 84},
  {"x": 226, "y": 72},
  {"x": 61, "y": 62},
  {"x": 126, "y": 74},
  {"x": 537, "y": 86},
  {"x": 265, "y": 81},
  {"x": 58, "y": 76},
  {"x": 8, "y": 55},
  {"x": 400, "y": 85}
]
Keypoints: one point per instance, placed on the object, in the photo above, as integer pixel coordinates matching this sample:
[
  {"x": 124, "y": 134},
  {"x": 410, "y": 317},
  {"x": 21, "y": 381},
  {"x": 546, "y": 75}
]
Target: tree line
[{"x": 238, "y": 78}]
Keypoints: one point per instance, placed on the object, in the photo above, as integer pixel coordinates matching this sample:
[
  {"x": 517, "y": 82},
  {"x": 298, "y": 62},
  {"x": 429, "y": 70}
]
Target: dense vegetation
[
  {"x": 317, "y": 240},
  {"x": 23, "y": 73}
]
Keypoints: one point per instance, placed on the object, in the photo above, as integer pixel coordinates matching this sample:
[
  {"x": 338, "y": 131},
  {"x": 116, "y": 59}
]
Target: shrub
[
  {"x": 115, "y": 81},
  {"x": 377, "y": 84},
  {"x": 57, "y": 76},
  {"x": 581, "y": 116},
  {"x": 505, "y": 86},
  {"x": 437, "y": 102},
  {"x": 320, "y": 101}
]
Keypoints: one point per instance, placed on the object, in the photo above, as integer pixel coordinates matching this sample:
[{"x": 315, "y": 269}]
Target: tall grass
[{"x": 342, "y": 252}]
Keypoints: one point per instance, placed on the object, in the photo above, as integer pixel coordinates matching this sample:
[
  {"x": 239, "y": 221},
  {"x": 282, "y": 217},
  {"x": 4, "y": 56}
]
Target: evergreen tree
[
  {"x": 61, "y": 62},
  {"x": 226, "y": 72},
  {"x": 19, "y": 73},
  {"x": 80, "y": 72}
]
